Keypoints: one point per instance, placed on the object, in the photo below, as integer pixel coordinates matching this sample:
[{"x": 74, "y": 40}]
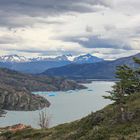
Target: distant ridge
[
  {"x": 100, "y": 70},
  {"x": 87, "y": 58},
  {"x": 13, "y": 58}
]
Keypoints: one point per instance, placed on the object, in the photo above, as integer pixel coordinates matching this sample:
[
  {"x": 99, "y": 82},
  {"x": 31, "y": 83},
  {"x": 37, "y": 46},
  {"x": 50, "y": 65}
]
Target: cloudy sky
[{"x": 106, "y": 28}]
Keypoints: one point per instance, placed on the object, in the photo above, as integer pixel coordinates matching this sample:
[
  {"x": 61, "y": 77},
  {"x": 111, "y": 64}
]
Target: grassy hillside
[{"x": 101, "y": 125}]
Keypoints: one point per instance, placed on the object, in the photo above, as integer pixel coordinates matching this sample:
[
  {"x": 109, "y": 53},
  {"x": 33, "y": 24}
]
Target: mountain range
[
  {"x": 86, "y": 58},
  {"x": 101, "y": 70},
  {"x": 40, "y": 64}
]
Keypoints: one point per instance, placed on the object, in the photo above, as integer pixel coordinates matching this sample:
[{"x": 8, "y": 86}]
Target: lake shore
[
  {"x": 79, "y": 102},
  {"x": 85, "y": 81}
]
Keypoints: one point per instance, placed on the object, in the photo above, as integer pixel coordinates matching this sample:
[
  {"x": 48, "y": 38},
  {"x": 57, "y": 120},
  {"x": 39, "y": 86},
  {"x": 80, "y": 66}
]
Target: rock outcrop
[
  {"x": 21, "y": 100},
  {"x": 16, "y": 90}
]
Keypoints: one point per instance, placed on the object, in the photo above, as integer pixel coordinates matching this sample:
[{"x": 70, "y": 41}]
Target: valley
[{"x": 69, "y": 69}]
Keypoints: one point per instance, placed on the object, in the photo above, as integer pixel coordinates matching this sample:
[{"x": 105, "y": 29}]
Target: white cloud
[{"x": 37, "y": 30}]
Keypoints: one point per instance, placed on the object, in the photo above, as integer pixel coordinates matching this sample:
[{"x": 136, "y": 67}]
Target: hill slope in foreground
[
  {"x": 16, "y": 88},
  {"x": 101, "y": 125}
]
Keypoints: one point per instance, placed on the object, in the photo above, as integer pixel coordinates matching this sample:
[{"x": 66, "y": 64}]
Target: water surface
[{"x": 65, "y": 106}]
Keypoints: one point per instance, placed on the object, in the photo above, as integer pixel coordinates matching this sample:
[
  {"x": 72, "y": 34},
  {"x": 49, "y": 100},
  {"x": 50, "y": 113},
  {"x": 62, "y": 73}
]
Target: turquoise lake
[{"x": 65, "y": 106}]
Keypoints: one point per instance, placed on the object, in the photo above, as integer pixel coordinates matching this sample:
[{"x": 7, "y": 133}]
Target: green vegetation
[
  {"x": 101, "y": 125},
  {"x": 128, "y": 84},
  {"x": 118, "y": 121}
]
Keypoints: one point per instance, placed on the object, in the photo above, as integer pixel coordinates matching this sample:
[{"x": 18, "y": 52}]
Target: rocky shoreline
[
  {"x": 2, "y": 112},
  {"x": 16, "y": 90},
  {"x": 20, "y": 101}
]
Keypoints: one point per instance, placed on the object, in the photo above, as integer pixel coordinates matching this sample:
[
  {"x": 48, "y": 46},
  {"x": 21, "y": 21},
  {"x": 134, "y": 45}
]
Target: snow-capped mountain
[
  {"x": 13, "y": 58},
  {"x": 87, "y": 58},
  {"x": 35, "y": 59},
  {"x": 42, "y": 63},
  {"x": 68, "y": 57},
  {"x": 61, "y": 58}
]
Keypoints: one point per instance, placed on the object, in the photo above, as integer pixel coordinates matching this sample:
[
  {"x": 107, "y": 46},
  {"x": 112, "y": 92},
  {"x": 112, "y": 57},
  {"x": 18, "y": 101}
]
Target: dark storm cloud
[
  {"x": 98, "y": 42},
  {"x": 12, "y": 9}
]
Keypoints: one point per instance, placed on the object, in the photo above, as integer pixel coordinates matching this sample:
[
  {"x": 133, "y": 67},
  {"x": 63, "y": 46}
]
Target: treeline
[{"x": 128, "y": 83}]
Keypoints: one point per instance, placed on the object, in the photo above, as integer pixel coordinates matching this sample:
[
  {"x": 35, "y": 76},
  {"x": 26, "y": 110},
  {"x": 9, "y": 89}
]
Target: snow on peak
[
  {"x": 86, "y": 58},
  {"x": 13, "y": 58}
]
